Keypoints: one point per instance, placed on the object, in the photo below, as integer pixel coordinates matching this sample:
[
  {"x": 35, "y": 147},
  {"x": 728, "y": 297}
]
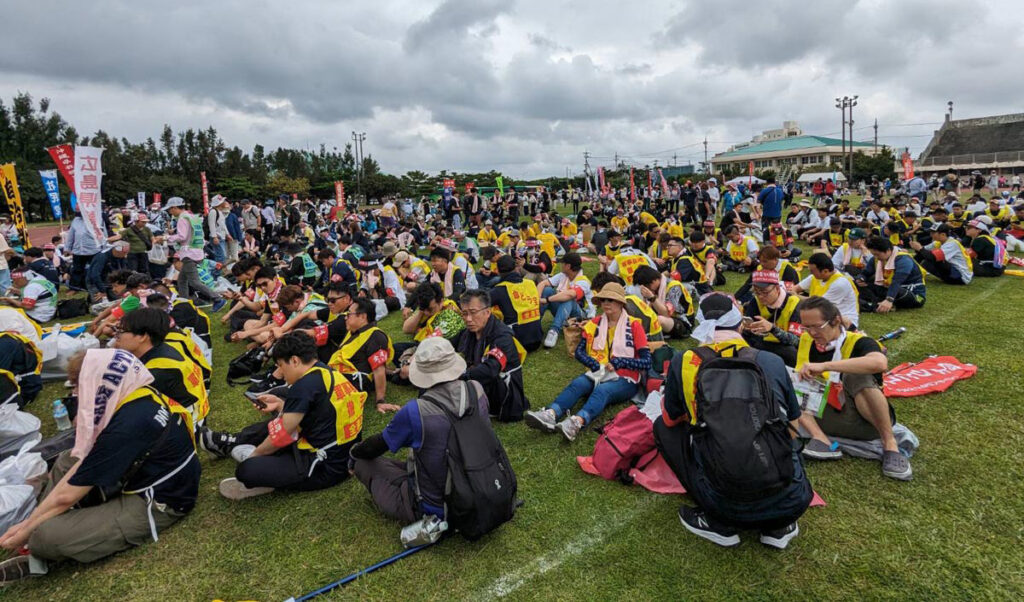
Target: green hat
[{"x": 858, "y": 233}]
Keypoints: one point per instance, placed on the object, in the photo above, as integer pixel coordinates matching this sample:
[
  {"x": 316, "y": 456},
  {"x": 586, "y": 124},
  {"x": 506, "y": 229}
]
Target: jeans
[
  {"x": 78, "y": 268},
  {"x": 598, "y": 398},
  {"x": 138, "y": 262},
  {"x": 220, "y": 251},
  {"x": 5, "y": 280},
  {"x": 562, "y": 310}
]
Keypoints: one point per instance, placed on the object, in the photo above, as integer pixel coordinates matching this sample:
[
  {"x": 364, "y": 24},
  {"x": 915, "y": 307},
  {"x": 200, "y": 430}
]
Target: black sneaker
[
  {"x": 780, "y": 538},
  {"x": 264, "y": 384},
  {"x": 215, "y": 443},
  {"x": 698, "y": 523},
  {"x": 14, "y": 569}
]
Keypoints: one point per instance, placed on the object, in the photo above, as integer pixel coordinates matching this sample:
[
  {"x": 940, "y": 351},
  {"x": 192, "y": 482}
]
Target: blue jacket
[{"x": 234, "y": 226}]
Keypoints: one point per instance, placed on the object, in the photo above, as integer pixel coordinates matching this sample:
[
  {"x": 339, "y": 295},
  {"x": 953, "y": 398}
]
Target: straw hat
[{"x": 613, "y": 291}]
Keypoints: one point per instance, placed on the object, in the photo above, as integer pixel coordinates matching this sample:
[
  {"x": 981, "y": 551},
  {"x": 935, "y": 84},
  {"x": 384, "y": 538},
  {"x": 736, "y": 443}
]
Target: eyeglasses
[
  {"x": 470, "y": 313},
  {"x": 816, "y": 328}
]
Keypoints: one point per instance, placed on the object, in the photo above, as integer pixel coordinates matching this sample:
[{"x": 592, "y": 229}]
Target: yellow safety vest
[
  {"x": 738, "y": 251},
  {"x": 487, "y": 235},
  {"x": 342, "y": 358},
  {"x": 547, "y": 243},
  {"x": 887, "y": 274},
  {"x": 590, "y": 330},
  {"x": 428, "y": 328},
  {"x": 849, "y": 259},
  {"x": 628, "y": 265},
  {"x": 691, "y": 364},
  {"x": 639, "y": 309},
  {"x": 785, "y": 318},
  {"x": 192, "y": 376},
  {"x": 32, "y": 346},
  {"x": 963, "y": 251},
  {"x": 348, "y": 408},
  {"x": 569, "y": 231},
  {"x": 525, "y": 301},
  {"x": 188, "y": 349},
  {"x": 691, "y": 308},
  {"x": 803, "y": 351},
  {"x": 836, "y": 238},
  {"x": 819, "y": 288}
]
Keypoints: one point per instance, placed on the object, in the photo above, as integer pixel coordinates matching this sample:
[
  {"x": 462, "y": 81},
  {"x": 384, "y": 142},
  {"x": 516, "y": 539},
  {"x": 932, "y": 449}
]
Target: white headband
[{"x": 705, "y": 330}]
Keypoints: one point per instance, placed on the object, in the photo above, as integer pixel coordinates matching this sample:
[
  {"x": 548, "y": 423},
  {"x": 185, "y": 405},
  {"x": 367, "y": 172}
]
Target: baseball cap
[{"x": 765, "y": 278}]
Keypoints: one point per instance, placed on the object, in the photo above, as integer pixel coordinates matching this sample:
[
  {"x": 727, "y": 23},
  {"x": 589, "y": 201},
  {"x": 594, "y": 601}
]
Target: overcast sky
[{"x": 519, "y": 86}]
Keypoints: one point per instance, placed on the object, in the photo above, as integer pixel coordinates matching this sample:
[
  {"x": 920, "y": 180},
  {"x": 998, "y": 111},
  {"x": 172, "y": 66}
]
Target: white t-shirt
[
  {"x": 951, "y": 250},
  {"x": 842, "y": 294},
  {"x": 581, "y": 282},
  {"x": 46, "y": 307},
  {"x": 3, "y": 257}
]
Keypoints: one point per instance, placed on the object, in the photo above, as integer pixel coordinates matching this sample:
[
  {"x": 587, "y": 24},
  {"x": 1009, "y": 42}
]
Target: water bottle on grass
[{"x": 60, "y": 415}]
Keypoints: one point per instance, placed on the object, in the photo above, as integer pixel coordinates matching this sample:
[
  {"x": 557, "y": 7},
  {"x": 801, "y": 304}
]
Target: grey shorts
[{"x": 848, "y": 423}]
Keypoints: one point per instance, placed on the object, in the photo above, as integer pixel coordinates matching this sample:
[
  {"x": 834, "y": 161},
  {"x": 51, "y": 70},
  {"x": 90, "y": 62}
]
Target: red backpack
[{"x": 623, "y": 442}]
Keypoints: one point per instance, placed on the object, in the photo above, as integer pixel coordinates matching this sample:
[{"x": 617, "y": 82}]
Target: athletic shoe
[
  {"x": 14, "y": 569},
  {"x": 542, "y": 420},
  {"x": 233, "y": 489},
  {"x": 780, "y": 538},
  {"x": 896, "y": 466},
  {"x": 219, "y": 305},
  {"x": 241, "y": 452},
  {"x": 215, "y": 443},
  {"x": 551, "y": 339},
  {"x": 571, "y": 427},
  {"x": 819, "y": 450},
  {"x": 697, "y": 522}
]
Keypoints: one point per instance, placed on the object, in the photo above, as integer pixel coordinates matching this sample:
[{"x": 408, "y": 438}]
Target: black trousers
[
  {"x": 942, "y": 269},
  {"x": 786, "y": 352},
  {"x": 78, "y": 265},
  {"x": 873, "y": 294},
  {"x": 290, "y": 469}
]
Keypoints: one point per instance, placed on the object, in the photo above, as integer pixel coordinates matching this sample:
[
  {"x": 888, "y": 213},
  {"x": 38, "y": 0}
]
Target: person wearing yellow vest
[
  {"x": 837, "y": 287},
  {"x": 494, "y": 358},
  {"x": 305, "y": 445},
  {"x": 487, "y": 236},
  {"x": 780, "y": 238},
  {"x": 891, "y": 279},
  {"x": 23, "y": 360},
  {"x": 771, "y": 321},
  {"x": 850, "y": 257},
  {"x": 569, "y": 235},
  {"x": 669, "y": 299},
  {"x": 566, "y": 295},
  {"x": 626, "y": 262},
  {"x": 429, "y": 313},
  {"x": 364, "y": 353},
  {"x": 769, "y": 258},
  {"x": 740, "y": 251},
  {"x": 142, "y": 333},
  {"x": 132, "y": 473},
  {"x": 620, "y": 223},
  {"x": 696, "y": 264},
  {"x": 989, "y": 253},
  {"x": 718, "y": 516},
  {"x": 516, "y": 302},
  {"x": 945, "y": 257},
  {"x": 997, "y": 212},
  {"x": 851, "y": 364},
  {"x": 446, "y": 273},
  {"x": 614, "y": 350}
]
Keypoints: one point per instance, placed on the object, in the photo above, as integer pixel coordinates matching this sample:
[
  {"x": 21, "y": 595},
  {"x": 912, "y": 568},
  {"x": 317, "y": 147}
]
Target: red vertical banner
[
  {"x": 156, "y": 198},
  {"x": 632, "y": 186},
  {"x": 449, "y": 183},
  {"x": 908, "y": 166},
  {"x": 206, "y": 193},
  {"x": 664, "y": 184},
  {"x": 64, "y": 156},
  {"x": 339, "y": 192},
  {"x": 750, "y": 171},
  {"x": 470, "y": 186}
]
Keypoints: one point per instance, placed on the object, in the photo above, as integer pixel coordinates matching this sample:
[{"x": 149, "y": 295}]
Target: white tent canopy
[
  {"x": 745, "y": 180},
  {"x": 824, "y": 175}
]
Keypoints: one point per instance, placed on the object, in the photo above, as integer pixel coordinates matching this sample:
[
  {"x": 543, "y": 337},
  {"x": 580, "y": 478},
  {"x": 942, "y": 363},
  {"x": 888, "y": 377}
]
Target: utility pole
[
  {"x": 357, "y": 139},
  {"x": 841, "y": 105},
  {"x": 616, "y": 161},
  {"x": 849, "y": 175},
  {"x": 876, "y": 134},
  {"x": 673, "y": 159},
  {"x": 706, "y": 170},
  {"x": 586, "y": 170}
]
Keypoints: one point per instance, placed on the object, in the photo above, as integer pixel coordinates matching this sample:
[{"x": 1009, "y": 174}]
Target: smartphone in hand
[{"x": 255, "y": 399}]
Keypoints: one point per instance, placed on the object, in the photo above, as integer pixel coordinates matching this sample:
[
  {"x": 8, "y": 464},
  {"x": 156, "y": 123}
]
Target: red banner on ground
[{"x": 933, "y": 375}]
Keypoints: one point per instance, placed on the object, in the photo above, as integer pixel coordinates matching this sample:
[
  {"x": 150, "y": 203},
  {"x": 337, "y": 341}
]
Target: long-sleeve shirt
[
  {"x": 234, "y": 225},
  {"x": 80, "y": 240},
  {"x": 182, "y": 234},
  {"x": 217, "y": 223}
]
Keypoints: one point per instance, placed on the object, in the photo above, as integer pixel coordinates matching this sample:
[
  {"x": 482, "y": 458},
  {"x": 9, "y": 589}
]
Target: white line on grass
[{"x": 510, "y": 582}]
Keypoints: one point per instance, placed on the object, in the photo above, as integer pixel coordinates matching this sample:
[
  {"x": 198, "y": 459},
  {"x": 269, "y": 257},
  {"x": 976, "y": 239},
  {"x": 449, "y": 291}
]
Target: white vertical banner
[
  {"x": 88, "y": 182},
  {"x": 140, "y": 199}
]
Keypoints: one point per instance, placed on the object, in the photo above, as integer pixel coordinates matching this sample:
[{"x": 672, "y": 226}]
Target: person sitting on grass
[
  {"x": 407, "y": 493},
  {"x": 566, "y": 295},
  {"x": 849, "y": 258},
  {"x": 891, "y": 279},
  {"x": 517, "y": 303},
  {"x": 988, "y": 252},
  {"x": 944, "y": 257},
  {"x": 854, "y": 364},
  {"x": 615, "y": 352},
  {"x": 825, "y": 281},
  {"x": 445, "y": 273},
  {"x": 132, "y": 473},
  {"x": 305, "y": 446},
  {"x": 771, "y": 505},
  {"x": 740, "y": 251},
  {"x": 364, "y": 353},
  {"x": 669, "y": 299},
  {"x": 774, "y": 325}
]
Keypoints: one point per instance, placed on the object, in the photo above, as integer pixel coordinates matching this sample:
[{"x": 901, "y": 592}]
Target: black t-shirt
[
  {"x": 336, "y": 332},
  {"x": 309, "y": 396},
  {"x": 862, "y": 347},
  {"x": 374, "y": 343},
  {"x": 168, "y": 381},
  {"x": 131, "y": 432}
]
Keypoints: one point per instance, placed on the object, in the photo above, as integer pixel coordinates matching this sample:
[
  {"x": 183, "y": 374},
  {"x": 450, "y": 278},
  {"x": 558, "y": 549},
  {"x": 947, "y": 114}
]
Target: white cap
[{"x": 174, "y": 201}]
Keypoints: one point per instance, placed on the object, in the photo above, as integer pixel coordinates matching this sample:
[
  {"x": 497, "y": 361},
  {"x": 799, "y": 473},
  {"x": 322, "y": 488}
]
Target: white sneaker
[
  {"x": 241, "y": 452},
  {"x": 552, "y": 339}
]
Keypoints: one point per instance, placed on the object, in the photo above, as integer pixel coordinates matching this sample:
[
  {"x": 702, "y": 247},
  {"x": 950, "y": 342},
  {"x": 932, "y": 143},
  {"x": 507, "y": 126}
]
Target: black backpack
[
  {"x": 481, "y": 491},
  {"x": 72, "y": 308},
  {"x": 741, "y": 438},
  {"x": 242, "y": 368}
]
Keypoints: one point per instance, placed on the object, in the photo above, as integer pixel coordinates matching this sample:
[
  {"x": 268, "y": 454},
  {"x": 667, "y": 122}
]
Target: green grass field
[{"x": 954, "y": 532}]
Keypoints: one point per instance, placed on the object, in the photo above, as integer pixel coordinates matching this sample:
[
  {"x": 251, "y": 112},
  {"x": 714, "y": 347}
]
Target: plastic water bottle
[
  {"x": 893, "y": 335},
  {"x": 60, "y": 414}
]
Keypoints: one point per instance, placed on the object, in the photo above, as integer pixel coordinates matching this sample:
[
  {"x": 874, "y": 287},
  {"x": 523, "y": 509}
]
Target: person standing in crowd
[
  {"x": 189, "y": 235},
  {"x": 140, "y": 240},
  {"x": 234, "y": 228},
  {"x": 771, "y": 199},
  {"x": 83, "y": 246},
  {"x": 217, "y": 225}
]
